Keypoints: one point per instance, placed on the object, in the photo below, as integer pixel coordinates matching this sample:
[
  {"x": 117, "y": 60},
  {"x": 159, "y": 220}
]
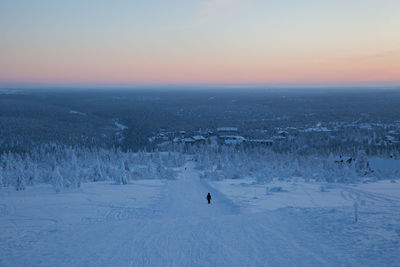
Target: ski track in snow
[{"x": 181, "y": 229}]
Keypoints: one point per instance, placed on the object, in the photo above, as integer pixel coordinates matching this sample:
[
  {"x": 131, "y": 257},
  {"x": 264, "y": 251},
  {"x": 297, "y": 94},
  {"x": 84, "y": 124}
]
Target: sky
[{"x": 103, "y": 42}]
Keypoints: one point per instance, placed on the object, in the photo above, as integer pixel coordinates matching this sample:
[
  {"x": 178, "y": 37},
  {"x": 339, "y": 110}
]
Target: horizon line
[{"x": 34, "y": 85}]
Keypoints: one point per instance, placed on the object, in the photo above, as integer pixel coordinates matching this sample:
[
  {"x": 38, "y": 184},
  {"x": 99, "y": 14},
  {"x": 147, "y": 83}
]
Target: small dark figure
[{"x": 209, "y": 198}]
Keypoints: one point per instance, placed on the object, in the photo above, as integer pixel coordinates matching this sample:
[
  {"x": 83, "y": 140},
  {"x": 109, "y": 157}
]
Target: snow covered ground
[
  {"x": 255, "y": 197},
  {"x": 169, "y": 223},
  {"x": 327, "y": 212}
]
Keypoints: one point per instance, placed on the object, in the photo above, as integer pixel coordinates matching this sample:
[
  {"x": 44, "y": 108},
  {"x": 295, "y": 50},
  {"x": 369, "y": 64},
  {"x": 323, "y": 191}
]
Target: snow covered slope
[{"x": 169, "y": 223}]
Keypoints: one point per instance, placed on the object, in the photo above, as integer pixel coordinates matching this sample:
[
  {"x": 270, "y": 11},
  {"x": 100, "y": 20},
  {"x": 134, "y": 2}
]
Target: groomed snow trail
[{"x": 183, "y": 230}]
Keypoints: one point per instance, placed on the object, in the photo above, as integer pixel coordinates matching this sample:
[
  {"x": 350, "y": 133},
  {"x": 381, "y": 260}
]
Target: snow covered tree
[
  {"x": 58, "y": 180},
  {"x": 260, "y": 177},
  {"x": 10, "y": 172},
  {"x": 350, "y": 174},
  {"x": 126, "y": 166},
  {"x": 362, "y": 165},
  {"x": 20, "y": 183},
  {"x": 32, "y": 172},
  {"x": 20, "y": 175},
  {"x": 97, "y": 173},
  {"x": 1, "y": 177},
  {"x": 296, "y": 168},
  {"x": 120, "y": 175},
  {"x": 219, "y": 165},
  {"x": 128, "y": 171},
  {"x": 74, "y": 174}
]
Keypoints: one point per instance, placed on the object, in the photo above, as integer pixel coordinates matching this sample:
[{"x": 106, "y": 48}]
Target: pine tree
[
  {"x": 20, "y": 184},
  {"x": 1, "y": 177},
  {"x": 120, "y": 175},
  {"x": 362, "y": 164},
  {"x": 32, "y": 174},
  {"x": 19, "y": 174},
  {"x": 58, "y": 180},
  {"x": 75, "y": 175},
  {"x": 296, "y": 168},
  {"x": 128, "y": 171},
  {"x": 97, "y": 173}
]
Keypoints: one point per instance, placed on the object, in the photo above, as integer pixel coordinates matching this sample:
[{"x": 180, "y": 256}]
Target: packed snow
[{"x": 153, "y": 222}]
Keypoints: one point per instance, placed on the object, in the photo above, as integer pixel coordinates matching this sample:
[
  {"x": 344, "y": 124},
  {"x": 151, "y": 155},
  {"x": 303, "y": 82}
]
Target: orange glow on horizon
[{"x": 218, "y": 42}]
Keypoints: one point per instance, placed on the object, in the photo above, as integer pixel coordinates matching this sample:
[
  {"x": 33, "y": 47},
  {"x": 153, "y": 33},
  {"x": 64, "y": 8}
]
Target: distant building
[
  {"x": 199, "y": 139},
  {"x": 315, "y": 129},
  {"x": 258, "y": 142},
  {"x": 210, "y": 133},
  {"x": 283, "y": 133},
  {"x": 194, "y": 140},
  {"x": 393, "y": 137},
  {"x": 188, "y": 141},
  {"x": 170, "y": 134},
  {"x": 227, "y": 131},
  {"x": 229, "y": 136},
  {"x": 278, "y": 138},
  {"x": 232, "y": 139}
]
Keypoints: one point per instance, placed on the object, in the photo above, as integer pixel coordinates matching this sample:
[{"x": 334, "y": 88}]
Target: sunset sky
[{"x": 80, "y": 42}]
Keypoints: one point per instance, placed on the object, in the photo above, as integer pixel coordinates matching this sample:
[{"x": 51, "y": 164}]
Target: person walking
[{"x": 209, "y": 198}]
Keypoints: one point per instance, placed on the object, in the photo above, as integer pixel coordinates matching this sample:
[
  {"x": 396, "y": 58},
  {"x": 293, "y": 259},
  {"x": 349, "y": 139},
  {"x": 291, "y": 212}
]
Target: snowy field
[{"x": 168, "y": 223}]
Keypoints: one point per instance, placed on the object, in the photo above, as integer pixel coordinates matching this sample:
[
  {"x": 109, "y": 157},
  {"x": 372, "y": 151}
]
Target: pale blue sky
[{"x": 210, "y": 41}]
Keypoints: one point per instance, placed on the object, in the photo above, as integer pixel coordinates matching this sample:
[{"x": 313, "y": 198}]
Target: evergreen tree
[
  {"x": 20, "y": 183},
  {"x": 58, "y": 180},
  {"x": 128, "y": 172},
  {"x": 362, "y": 164},
  {"x": 120, "y": 175},
  {"x": 32, "y": 174},
  {"x": 1, "y": 177},
  {"x": 97, "y": 173},
  {"x": 74, "y": 172}
]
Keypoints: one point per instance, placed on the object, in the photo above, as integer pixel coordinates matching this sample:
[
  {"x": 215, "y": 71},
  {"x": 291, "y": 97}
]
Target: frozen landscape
[
  {"x": 200, "y": 133},
  {"x": 169, "y": 223},
  {"x": 104, "y": 187}
]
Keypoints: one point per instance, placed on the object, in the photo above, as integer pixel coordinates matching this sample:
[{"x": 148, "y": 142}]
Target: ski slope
[{"x": 169, "y": 223}]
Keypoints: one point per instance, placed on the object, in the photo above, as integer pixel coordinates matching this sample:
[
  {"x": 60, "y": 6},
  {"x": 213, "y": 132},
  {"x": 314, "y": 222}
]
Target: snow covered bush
[
  {"x": 265, "y": 164},
  {"x": 67, "y": 167},
  {"x": 76, "y": 165}
]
